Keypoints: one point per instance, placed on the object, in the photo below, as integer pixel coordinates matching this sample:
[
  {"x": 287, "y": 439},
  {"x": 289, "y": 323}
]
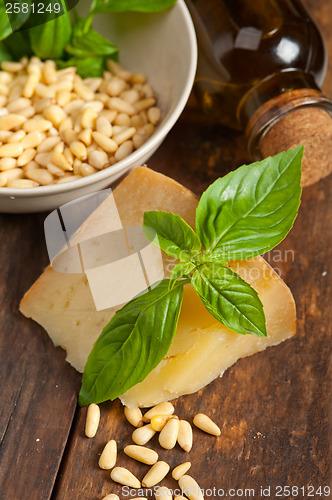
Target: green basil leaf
[
  {"x": 49, "y": 40},
  {"x": 180, "y": 270},
  {"x": 230, "y": 299},
  {"x": 86, "y": 67},
  {"x": 249, "y": 211},
  {"x": 172, "y": 234},
  {"x": 18, "y": 45},
  {"x": 86, "y": 42},
  {"x": 5, "y": 55},
  {"x": 99, "y": 6},
  {"x": 13, "y": 21},
  {"x": 132, "y": 344}
]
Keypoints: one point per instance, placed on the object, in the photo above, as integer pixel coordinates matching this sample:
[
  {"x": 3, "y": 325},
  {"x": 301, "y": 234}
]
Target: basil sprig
[
  {"x": 68, "y": 39},
  {"x": 241, "y": 215}
]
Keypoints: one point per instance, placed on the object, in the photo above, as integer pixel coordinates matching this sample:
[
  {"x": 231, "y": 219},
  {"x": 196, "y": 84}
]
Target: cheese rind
[{"x": 63, "y": 304}]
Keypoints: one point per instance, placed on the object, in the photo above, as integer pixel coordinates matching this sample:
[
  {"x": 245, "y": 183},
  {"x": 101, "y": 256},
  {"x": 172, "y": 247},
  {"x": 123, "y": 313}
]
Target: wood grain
[{"x": 274, "y": 408}]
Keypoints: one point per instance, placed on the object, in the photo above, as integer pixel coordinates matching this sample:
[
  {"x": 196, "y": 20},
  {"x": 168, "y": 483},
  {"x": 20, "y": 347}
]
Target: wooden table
[{"x": 274, "y": 408}]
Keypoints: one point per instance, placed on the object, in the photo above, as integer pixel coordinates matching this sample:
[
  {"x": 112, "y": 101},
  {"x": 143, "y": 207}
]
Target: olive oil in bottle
[{"x": 260, "y": 61}]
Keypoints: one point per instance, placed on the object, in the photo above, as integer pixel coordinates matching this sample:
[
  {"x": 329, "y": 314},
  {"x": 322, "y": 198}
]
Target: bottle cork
[
  {"x": 311, "y": 127},
  {"x": 300, "y": 117}
]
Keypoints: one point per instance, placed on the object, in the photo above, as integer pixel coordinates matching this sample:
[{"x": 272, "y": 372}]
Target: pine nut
[
  {"x": 59, "y": 148},
  {"x": 63, "y": 97},
  {"x": 125, "y": 477},
  {"x": 160, "y": 409},
  {"x": 85, "y": 136},
  {"x": 67, "y": 178},
  {"x": 121, "y": 106},
  {"x": 156, "y": 474},
  {"x": 22, "y": 183},
  {"x": 123, "y": 120},
  {"x": 69, "y": 136},
  {"x": 86, "y": 170},
  {"x": 55, "y": 114},
  {"x": 93, "y": 83},
  {"x": 10, "y": 175},
  {"x": 10, "y": 121},
  {"x": 180, "y": 470},
  {"x": 77, "y": 167},
  {"x": 130, "y": 96},
  {"x": 41, "y": 104},
  {"x": 190, "y": 488},
  {"x": 185, "y": 435},
  {"x": 88, "y": 118},
  {"x": 83, "y": 91},
  {"x": 7, "y": 164},
  {"x": 115, "y": 86},
  {"x": 124, "y": 135},
  {"x": 48, "y": 144},
  {"x": 205, "y": 423},
  {"x": 97, "y": 106},
  {"x": 144, "y": 104},
  {"x": 12, "y": 150},
  {"x": 146, "y": 131},
  {"x": 79, "y": 150},
  {"x": 180, "y": 497},
  {"x": 60, "y": 161},
  {"x": 30, "y": 166},
  {"x": 111, "y": 496},
  {"x": 141, "y": 454},
  {"x": 154, "y": 115},
  {"x": 98, "y": 159},
  {"x": 32, "y": 140},
  {"x": 5, "y": 135},
  {"x": 73, "y": 106},
  {"x": 49, "y": 73},
  {"x": 37, "y": 124},
  {"x": 65, "y": 125},
  {"x": 134, "y": 416},
  {"x": 163, "y": 493},
  {"x": 92, "y": 420},
  {"x": 169, "y": 434},
  {"x": 21, "y": 103},
  {"x": 4, "y": 91},
  {"x": 102, "y": 98},
  {"x": 27, "y": 156},
  {"x": 27, "y": 112},
  {"x": 54, "y": 170},
  {"x": 40, "y": 175},
  {"x": 147, "y": 90},
  {"x": 108, "y": 457},
  {"x": 17, "y": 136},
  {"x": 5, "y": 77},
  {"x": 64, "y": 84},
  {"x": 124, "y": 150},
  {"x": 30, "y": 85},
  {"x": 68, "y": 155},
  {"x": 12, "y": 67},
  {"x": 109, "y": 114},
  {"x": 138, "y": 78},
  {"x": 143, "y": 434},
  {"x": 138, "y": 140},
  {"x": 158, "y": 422},
  {"x": 103, "y": 126},
  {"x": 107, "y": 144},
  {"x": 118, "y": 70}
]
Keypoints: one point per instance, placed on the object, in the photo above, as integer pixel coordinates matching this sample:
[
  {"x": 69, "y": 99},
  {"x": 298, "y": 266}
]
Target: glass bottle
[{"x": 260, "y": 67}]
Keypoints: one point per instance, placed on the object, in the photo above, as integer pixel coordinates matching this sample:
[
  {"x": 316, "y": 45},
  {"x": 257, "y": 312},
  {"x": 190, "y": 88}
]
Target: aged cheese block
[{"x": 202, "y": 348}]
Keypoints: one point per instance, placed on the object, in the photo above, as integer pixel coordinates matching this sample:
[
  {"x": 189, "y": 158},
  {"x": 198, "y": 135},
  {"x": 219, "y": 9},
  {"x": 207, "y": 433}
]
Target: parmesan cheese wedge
[{"x": 202, "y": 348}]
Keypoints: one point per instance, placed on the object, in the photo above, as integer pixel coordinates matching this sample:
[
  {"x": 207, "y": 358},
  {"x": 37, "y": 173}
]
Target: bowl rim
[{"x": 152, "y": 143}]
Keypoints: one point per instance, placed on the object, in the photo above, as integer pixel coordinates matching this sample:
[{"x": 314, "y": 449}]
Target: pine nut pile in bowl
[{"x": 62, "y": 137}]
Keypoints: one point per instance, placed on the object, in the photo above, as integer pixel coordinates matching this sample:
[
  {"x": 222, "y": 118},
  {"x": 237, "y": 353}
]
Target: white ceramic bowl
[{"x": 161, "y": 45}]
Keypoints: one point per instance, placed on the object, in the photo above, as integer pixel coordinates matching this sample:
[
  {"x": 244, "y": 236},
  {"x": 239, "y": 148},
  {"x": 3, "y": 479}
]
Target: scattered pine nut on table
[{"x": 98, "y": 121}]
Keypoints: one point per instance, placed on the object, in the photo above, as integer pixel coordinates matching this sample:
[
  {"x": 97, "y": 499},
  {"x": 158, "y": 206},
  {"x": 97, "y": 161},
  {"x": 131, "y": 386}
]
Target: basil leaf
[
  {"x": 172, "y": 234},
  {"x": 18, "y": 45},
  {"x": 12, "y": 22},
  {"x": 249, "y": 211},
  {"x": 48, "y": 40},
  {"x": 132, "y": 344},
  {"x": 180, "y": 270},
  {"x": 85, "y": 67},
  {"x": 99, "y": 6},
  {"x": 87, "y": 42},
  {"x": 230, "y": 299},
  {"x": 5, "y": 55}
]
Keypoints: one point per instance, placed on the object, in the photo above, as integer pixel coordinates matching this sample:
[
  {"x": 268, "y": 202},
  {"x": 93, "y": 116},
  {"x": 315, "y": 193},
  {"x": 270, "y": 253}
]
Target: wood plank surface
[{"x": 274, "y": 408}]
